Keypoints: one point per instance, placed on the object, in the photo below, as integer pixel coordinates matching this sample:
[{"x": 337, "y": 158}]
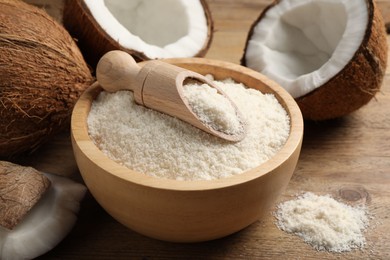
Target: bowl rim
[{"x": 81, "y": 138}]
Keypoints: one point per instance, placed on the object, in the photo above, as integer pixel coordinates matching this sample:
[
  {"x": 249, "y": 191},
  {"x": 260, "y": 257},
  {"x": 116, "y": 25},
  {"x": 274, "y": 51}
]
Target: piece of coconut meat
[
  {"x": 302, "y": 44},
  {"x": 48, "y": 222}
]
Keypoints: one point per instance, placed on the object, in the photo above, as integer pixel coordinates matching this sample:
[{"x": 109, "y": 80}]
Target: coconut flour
[
  {"x": 212, "y": 108},
  {"x": 323, "y": 222},
  {"x": 162, "y": 146}
]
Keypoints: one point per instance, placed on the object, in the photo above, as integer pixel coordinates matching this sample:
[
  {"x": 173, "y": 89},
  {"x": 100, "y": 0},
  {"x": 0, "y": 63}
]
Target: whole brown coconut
[
  {"x": 42, "y": 74},
  {"x": 94, "y": 40},
  {"x": 336, "y": 91}
]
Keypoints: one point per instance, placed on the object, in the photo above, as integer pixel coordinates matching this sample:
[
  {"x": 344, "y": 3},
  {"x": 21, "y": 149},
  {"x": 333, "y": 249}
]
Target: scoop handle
[{"x": 117, "y": 70}]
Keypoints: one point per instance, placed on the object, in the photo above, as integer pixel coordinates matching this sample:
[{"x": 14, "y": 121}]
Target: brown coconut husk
[
  {"x": 20, "y": 189},
  {"x": 42, "y": 74},
  {"x": 94, "y": 42},
  {"x": 357, "y": 83}
]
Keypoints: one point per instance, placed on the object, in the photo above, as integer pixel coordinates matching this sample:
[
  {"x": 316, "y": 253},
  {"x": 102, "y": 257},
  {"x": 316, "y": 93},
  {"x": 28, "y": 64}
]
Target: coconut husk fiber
[{"x": 20, "y": 189}]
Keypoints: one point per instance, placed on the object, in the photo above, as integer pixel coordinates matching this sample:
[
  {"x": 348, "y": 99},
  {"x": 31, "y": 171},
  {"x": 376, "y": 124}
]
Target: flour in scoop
[
  {"x": 212, "y": 108},
  {"x": 323, "y": 222},
  {"x": 162, "y": 146}
]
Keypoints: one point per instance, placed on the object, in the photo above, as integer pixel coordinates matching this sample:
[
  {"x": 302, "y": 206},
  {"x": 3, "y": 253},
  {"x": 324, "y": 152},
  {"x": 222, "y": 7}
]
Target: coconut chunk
[
  {"x": 20, "y": 189},
  {"x": 46, "y": 224}
]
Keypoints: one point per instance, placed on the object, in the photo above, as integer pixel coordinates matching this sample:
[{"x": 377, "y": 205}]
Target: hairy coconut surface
[
  {"x": 94, "y": 39},
  {"x": 349, "y": 86},
  {"x": 20, "y": 189},
  {"x": 42, "y": 74}
]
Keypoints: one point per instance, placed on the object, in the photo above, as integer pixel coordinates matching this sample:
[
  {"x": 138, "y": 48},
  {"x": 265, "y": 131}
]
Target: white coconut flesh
[
  {"x": 302, "y": 44},
  {"x": 159, "y": 29},
  {"x": 48, "y": 222}
]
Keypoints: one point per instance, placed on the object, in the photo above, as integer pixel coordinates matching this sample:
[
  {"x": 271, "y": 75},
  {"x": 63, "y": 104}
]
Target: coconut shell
[
  {"x": 94, "y": 42},
  {"x": 357, "y": 83},
  {"x": 20, "y": 189},
  {"x": 42, "y": 74}
]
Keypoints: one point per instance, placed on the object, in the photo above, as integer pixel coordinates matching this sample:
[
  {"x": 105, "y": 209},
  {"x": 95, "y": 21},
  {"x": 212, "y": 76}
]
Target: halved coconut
[
  {"x": 329, "y": 55},
  {"x": 149, "y": 29}
]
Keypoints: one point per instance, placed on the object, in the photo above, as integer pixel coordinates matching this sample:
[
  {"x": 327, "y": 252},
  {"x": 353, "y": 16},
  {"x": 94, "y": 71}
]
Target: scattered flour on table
[
  {"x": 212, "y": 108},
  {"x": 162, "y": 146},
  {"x": 323, "y": 222}
]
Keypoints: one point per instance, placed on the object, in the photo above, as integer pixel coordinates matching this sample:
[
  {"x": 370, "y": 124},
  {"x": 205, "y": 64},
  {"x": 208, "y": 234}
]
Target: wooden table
[{"x": 348, "y": 158}]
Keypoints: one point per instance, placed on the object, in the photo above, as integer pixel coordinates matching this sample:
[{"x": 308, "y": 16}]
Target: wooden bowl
[{"x": 188, "y": 211}]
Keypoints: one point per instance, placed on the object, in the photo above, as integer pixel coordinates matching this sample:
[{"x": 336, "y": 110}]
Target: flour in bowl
[{"x": 162, "y": 146}]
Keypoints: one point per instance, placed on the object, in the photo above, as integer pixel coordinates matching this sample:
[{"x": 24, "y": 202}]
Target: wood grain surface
[{"x": 348, "y": 158}]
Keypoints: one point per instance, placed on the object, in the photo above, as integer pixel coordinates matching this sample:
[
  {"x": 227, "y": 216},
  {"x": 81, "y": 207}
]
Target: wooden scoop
[{"x": 159, "y": 86}]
